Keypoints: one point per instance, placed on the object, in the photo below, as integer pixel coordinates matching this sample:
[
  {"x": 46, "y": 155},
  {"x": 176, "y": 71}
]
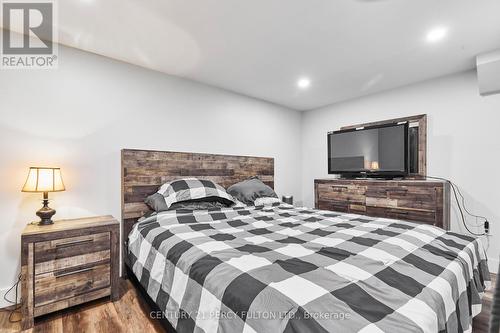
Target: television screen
[{"x": 374, "y": 150}]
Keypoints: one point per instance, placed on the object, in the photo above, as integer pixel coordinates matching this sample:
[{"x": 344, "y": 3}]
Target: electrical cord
[
  {"x": 17, "y": 306},
  {"x": 463, "y": 199},
  {"x": 456, "y": 190},
  {"x": 465, "y": 207}
]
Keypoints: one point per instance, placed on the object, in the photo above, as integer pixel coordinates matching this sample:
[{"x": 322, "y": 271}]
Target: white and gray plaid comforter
[{"x": 285, "y": 269}]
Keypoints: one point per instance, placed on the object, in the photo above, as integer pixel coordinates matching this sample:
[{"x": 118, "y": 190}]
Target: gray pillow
[
  {"x": 249, "y": 190},
  {"x": 156, "y": 202}
]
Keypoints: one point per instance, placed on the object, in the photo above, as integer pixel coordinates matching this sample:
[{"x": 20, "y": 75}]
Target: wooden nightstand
[{"x": 68, "y": 263}]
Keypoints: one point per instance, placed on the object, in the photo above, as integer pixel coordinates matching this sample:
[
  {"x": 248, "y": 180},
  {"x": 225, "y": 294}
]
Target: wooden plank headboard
[{"x": 144, "y": 171}]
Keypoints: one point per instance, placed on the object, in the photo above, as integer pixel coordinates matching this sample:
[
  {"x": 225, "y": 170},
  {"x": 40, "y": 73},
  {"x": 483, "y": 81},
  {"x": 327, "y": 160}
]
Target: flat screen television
[{"x": 377, "y": 151}]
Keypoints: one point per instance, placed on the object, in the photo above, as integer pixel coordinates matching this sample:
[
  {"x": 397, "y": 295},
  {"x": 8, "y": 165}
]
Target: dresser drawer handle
[
  {"x": 338, "y": 187},
  {"x": 398, "y": 190},
  {"x": 60, "y": 275},
  {"x": 73, "y": 243}
]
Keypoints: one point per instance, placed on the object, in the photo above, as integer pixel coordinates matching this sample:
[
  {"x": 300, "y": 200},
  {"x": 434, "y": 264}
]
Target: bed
[{"x": 280, "y": 268}]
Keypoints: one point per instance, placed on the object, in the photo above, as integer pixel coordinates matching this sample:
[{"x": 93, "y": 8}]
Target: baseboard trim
[
  {"x": 3, "y": 302},
  {"x": 493, "y": 265}
]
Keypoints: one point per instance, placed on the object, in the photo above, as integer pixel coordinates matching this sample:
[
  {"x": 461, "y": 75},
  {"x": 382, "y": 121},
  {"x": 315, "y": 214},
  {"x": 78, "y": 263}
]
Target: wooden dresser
[
  {"x": 68, "y": 263},
  {"x": 411, "y": 200}
]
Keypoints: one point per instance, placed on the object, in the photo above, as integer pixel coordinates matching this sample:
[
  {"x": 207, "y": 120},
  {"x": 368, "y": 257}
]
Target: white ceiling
[{"x": 260, "y": 48}]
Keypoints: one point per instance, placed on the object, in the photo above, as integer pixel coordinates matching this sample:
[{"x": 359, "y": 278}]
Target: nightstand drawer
[
  {"x": 69, "y": 252},
  {"x": 62, "y": 284},
  {"x": 80, "y": 260}
]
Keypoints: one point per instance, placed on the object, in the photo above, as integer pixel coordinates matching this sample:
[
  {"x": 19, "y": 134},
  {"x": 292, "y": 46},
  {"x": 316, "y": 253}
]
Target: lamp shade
[{"x": 44, "y": 180}]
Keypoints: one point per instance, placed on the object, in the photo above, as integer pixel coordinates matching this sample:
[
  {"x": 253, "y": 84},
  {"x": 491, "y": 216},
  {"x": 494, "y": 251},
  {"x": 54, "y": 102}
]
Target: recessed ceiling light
[
  {"x": 303, "y": 83},
  {"x": 437, "y": 34}
]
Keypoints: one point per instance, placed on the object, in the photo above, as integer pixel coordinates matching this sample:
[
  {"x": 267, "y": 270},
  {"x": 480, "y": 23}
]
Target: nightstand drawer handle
[
  {"x": 73, "y": 272},
  {"x": 79, "y": 242}
]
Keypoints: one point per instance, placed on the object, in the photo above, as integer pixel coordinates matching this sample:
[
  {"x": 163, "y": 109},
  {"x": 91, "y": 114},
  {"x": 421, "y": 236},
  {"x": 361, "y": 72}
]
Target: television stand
[{"x": 421, "y": 201}]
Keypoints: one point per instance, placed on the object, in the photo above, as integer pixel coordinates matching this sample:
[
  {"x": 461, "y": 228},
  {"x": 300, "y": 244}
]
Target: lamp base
[{"x": 45, "y": 213}]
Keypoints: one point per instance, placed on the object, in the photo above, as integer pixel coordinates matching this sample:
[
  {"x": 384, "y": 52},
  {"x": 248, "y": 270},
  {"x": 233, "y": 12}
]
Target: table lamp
[{"x": 44, "y": 180}]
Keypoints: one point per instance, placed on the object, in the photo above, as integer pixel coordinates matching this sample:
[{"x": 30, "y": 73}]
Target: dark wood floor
[
  {"x": 131, "y": 314},
  {"x": 481, "y": 322}
]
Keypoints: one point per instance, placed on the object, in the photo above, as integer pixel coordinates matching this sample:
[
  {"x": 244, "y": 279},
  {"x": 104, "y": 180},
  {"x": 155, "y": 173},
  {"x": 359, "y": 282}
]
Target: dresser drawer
[
  {"x": 415, "y": 215},
  {"x": 67, "y": 283},
  {"x": 334, "y": 205},
  {"x": 405, "y": 214},
  {"x": 341, "y": 198},
  {"x": 70, "y": 252},
  {"x": 340, "y": 190}
]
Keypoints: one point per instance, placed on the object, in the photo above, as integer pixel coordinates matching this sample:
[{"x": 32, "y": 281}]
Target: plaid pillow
[{"x": 194, "y": 189}]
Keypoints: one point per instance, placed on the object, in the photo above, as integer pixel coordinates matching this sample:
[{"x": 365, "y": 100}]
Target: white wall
[
  {"x": 463, "y": 139},
  {"x": 79, "y": 116}
]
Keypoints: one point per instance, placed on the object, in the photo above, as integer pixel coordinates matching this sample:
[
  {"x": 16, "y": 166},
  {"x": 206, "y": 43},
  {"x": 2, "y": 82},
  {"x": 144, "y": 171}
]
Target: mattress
[{"x": 281, "y": 268}]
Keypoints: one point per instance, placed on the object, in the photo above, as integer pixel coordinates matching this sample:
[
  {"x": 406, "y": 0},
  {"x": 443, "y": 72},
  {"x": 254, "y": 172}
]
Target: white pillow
[{"x": 265, "y": 201}]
